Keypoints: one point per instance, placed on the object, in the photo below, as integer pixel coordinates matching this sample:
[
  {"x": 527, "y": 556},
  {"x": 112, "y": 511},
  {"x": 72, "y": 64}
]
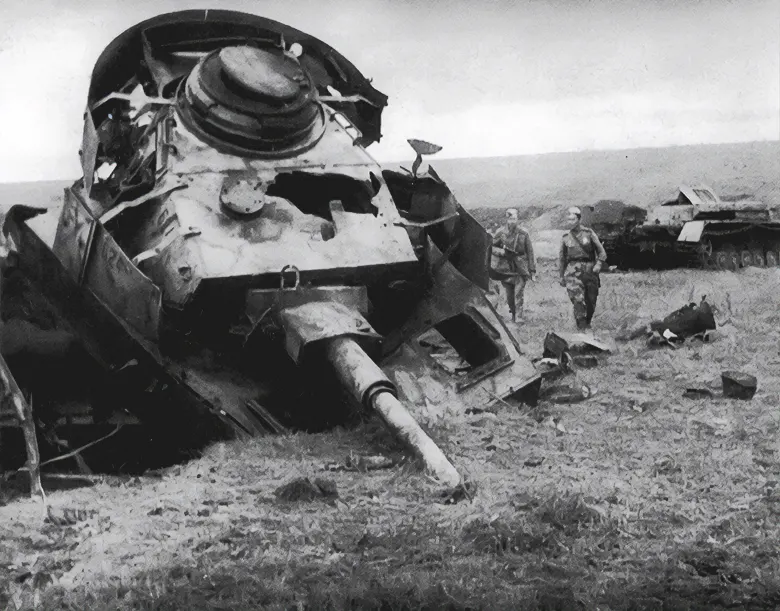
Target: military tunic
[
  {"x": 515, "y": 265},
  {"x": 580, "y": 250}
]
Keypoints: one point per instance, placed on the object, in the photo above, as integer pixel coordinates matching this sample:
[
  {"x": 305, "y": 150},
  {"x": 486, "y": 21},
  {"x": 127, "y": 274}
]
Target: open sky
[{"x": 489, "y": 78}]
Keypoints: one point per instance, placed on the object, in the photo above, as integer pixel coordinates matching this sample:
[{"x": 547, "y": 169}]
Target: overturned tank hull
[{"x": 234, "y": 263}]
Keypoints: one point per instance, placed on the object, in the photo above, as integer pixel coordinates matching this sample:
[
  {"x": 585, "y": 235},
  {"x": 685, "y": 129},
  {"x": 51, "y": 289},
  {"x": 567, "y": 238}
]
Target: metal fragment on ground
[
  {"x": 303, "y": 489},
  {"x": 739, "y": 385},
  {"x": 698, "y": 393},
  {"x": 567, "y": 393}
]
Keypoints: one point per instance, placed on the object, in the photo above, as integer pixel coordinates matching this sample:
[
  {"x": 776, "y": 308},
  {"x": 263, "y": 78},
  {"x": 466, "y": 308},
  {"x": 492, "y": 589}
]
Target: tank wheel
[
  {"x": 726, "y": 258},
  {"x": 745, "y": 258},
  {"x": 758, "y": 257},
  {"x": 772, "y": 258}
]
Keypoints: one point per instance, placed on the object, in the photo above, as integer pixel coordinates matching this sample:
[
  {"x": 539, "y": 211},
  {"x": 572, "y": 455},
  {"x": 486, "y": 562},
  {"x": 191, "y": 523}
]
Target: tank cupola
[{"x": 252, "y": 101}]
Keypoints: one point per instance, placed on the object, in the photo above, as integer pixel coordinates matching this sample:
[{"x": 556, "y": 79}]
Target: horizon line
[
  {"x": 550, "y": 153},
  {"x": 603, "y": 150}
]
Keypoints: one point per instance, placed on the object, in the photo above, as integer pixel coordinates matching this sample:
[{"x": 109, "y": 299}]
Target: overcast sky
[{"x": 479, "y": 78}]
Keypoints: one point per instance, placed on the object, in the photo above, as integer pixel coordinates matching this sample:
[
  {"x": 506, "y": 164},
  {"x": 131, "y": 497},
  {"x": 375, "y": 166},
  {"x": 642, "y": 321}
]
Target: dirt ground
[{"x": 637, "y": 498}]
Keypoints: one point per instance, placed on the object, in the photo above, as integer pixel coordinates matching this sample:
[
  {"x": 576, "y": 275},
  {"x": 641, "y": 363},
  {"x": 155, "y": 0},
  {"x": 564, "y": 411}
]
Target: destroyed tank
[
  {"x": 233, "y": 262},
  {"x": 697, "y": 229}
]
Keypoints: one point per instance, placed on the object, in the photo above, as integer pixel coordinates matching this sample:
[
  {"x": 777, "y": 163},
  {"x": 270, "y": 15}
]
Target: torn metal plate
[
  {"x": 556, "y": 343},
  {"x": 74, "y": 235},
  {"x": 691, "y": 231}
]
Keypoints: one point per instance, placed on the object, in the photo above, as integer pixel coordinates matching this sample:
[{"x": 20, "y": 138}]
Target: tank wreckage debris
[
  {"x": 697, "y": 229},
  {"x": 233, "y": 262}
]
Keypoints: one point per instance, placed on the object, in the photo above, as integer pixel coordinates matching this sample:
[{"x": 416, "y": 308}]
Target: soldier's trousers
[
  {"x": 515, "y": 293},
  {"x": 582, "y": 284}
]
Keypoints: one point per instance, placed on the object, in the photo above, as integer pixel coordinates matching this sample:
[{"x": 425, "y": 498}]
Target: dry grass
[{"x": 676, "y": 506}]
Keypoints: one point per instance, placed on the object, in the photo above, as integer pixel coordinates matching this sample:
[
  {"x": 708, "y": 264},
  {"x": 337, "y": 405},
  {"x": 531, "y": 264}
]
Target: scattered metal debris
[
  {"x": 67, "y": 516},
  {"x": 362, "y": 464},
  {"x": 698, "y": 393},
  {"x": 464, "y": 490},
  {"x": 562, "y": 354},
  {"x": 475, "y": 411},
  {"x": 15, "y": 408},
  {"x": 555, "y": 423},
  {"x": 692, "y": 321},
  {"x": 551, "y": 369},
  {"x": 567, "y": 393},
  {"x": 648, "y": 376},
  {"x": 303, "y": 489},
  {"x": 738, "y": 385},
  {"x": 645, "y": 406},
  {"x": 665, "y": 338},
  {"x": 586, "y": 361},
  {"x": 557, "y": 344}
]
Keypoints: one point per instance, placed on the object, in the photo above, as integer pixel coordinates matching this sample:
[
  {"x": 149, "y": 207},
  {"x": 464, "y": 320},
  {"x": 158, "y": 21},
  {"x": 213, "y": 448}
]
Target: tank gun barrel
[{"x": 369, "y": 385}]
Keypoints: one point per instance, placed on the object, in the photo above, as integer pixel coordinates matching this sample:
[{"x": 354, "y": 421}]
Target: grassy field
[{"x": 636, "y": 498}]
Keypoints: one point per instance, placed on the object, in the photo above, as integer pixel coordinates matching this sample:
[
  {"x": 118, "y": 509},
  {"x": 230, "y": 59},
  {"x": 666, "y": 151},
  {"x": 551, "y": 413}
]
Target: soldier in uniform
[
  {"x": 580, "y": 260},
  {"x": 514, "y": 261}
]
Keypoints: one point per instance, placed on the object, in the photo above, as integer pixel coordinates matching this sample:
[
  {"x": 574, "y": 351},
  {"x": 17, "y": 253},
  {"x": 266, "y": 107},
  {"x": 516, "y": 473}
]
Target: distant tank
[
  {"x": 697, "y": 229},
  {"x": 234, "y": 262}
]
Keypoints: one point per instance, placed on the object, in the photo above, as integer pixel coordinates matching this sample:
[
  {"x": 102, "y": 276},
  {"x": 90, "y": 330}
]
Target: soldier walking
[
  {"x": 580, "y": 260},
  {"x": 514, "y": 262}
]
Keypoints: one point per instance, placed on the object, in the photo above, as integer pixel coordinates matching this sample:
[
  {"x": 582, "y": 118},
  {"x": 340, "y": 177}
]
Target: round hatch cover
[
  {"x": 243, "y": 197},
  {"x": 264, "y": 74}
]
